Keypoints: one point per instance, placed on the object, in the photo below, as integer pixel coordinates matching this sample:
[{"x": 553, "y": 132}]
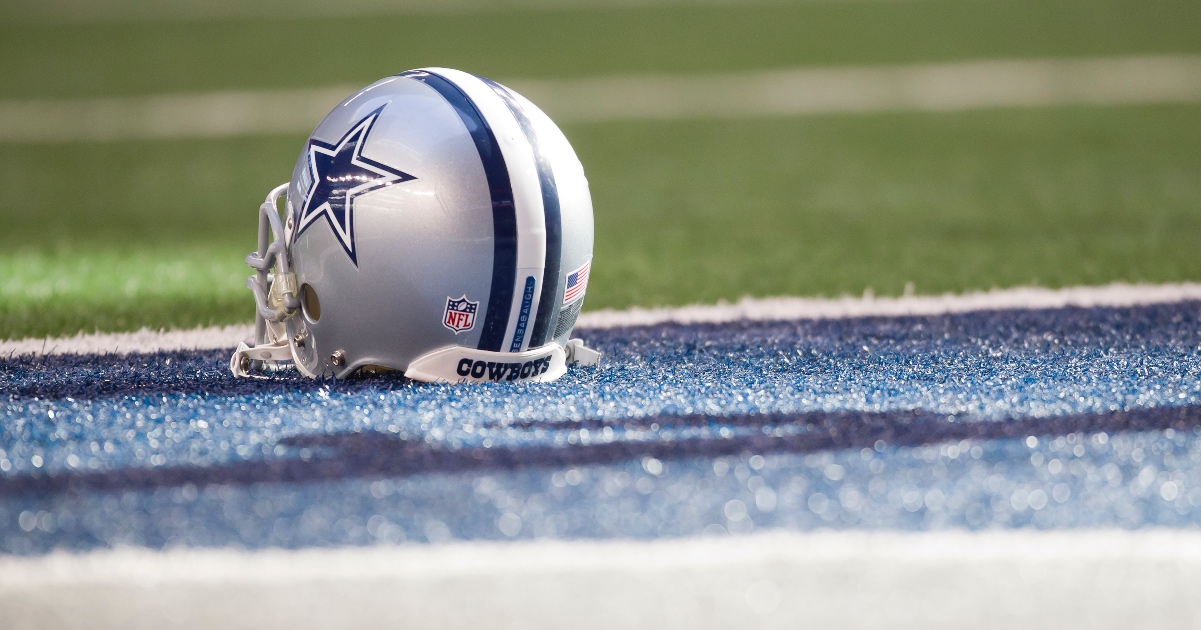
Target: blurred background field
[{"x": 124, "y": 233}]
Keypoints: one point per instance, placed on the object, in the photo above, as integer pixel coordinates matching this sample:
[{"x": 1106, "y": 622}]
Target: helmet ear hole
[{"x": 309, "y": 303}]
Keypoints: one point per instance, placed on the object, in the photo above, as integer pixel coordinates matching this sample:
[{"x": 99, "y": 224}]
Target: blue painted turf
[{"x": 1059, "y": 418}]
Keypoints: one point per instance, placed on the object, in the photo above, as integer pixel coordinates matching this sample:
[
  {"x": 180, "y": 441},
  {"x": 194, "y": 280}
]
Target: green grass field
[{"x": 118, "y": 235}]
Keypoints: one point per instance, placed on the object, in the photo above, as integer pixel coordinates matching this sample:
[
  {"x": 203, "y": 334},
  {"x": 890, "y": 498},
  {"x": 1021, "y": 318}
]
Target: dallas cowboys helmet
[{"x": 438, "y": 224}]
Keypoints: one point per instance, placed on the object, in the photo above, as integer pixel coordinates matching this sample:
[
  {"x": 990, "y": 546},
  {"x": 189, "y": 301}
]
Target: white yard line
[
  {"x": 805, "y": 91},
  {"x": 755, "y": 309},
  {"x": 950, "y": 579},
  {"x": 169, "y": 116},
  {"x": 916, "y": 88}
]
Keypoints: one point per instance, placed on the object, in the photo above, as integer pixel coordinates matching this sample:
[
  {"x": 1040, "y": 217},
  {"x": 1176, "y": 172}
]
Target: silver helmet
[{"x": 437, "y": 223}]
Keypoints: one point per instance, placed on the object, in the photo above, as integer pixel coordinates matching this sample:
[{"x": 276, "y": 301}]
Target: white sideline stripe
[
  {"x": 950, "y": 579},
  {"x": 805, "y": 91},
  {"x": 748, "y": 308},
  {"x": 144, "y": 340},
  {"x": 789, "y": 308}
]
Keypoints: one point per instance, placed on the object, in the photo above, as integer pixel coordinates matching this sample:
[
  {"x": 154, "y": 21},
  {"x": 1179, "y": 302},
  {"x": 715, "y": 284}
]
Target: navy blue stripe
[
  {"x": 541, "y": 332},
  {"x": 504, "y": 214}
]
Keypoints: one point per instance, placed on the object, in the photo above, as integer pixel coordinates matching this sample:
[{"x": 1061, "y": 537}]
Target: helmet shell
[{"x": 435, "y": 209}]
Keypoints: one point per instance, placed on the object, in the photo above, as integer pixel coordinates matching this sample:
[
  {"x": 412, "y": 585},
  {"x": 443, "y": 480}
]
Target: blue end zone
[{"x": 1060, "y": 418}]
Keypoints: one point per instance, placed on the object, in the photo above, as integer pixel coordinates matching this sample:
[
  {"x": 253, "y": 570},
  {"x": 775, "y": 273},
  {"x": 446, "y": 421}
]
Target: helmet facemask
[{"x": 276, "y": 296}]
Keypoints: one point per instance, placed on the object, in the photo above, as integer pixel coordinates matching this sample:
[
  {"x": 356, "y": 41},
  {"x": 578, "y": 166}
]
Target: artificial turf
[
  {"x": 1062, "y": 418},
  {"x": 119, "y": 235},
  {"x": 90, "y": 59},
  {"x": 685, "y": 212}
]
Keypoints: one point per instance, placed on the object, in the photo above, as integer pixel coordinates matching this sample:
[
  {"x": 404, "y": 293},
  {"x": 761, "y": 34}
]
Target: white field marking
[
  {"x": 791, "y": 308},
  {"x": 151, "y": 11},
  {"x": 169, "y": 116},
  {"x": 144, "y": 340},
  {"x": 950, "y": 579},
  {"x": 941, "y": 87},
  {"x": 797, "y": 92},
  {"x": 747, "y": 308}
]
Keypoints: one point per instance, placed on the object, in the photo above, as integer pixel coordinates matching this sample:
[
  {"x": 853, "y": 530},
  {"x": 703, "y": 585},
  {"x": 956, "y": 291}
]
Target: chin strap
[
  {"x": 241, "y": 362},
  {"x": 579, "y": 354}
]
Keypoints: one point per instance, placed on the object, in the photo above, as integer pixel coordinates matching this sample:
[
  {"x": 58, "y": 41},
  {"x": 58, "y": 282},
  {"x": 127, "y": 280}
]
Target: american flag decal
[{"x": 577, "y": 281}]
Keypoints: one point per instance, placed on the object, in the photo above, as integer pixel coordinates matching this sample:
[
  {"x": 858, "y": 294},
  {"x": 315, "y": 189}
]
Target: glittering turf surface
[{"x": 1075, "y": 417}]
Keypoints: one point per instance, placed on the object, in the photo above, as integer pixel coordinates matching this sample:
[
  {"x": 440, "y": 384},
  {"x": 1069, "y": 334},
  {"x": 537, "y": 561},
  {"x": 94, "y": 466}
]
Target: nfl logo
[{"x": 460, "y": 314}]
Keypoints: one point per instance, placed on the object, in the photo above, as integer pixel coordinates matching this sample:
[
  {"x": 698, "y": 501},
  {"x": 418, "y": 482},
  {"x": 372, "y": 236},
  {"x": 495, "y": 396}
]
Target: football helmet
[{"x": 438, "y": 224}]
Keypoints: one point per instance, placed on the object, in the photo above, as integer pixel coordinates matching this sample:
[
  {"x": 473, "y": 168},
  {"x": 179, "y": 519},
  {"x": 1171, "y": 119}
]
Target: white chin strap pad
[
  {"x": 455, "y": 364},
  {"x": 579, "y": 354}
]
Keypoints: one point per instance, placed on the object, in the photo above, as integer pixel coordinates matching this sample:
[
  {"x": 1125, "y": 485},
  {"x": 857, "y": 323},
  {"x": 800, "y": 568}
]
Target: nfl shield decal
[{"x": 460, "y": 314}]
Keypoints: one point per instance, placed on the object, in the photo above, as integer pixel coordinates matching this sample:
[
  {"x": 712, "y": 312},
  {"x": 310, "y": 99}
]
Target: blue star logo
[{"x": 340, "y": 173}]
